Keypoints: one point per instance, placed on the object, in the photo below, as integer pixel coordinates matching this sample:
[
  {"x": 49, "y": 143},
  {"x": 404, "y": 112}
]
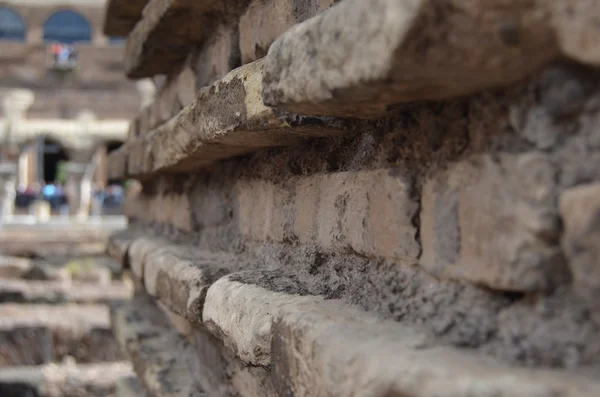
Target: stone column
[
  {"x": 14, "y": 105},
  {"x": 8, "y": 178},
  {"x": 75, "y": 174}
]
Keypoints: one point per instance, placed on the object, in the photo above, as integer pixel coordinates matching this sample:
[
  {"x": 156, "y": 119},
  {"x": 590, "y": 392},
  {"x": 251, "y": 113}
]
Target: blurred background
[{"x": 64, "y": 103}]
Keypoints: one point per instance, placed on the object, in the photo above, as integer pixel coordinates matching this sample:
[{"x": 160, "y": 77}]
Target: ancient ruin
[{"x": 360, "y": 198}]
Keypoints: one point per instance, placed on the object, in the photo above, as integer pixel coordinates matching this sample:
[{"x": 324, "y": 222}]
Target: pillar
[{"x": 8, "y": 178}]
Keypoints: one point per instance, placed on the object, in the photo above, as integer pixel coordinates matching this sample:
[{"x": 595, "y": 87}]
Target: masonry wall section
[{"x": 414, "y": 247}]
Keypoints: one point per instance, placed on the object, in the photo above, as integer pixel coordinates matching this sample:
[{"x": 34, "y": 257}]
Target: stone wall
[{"x": 382, "y": 198}]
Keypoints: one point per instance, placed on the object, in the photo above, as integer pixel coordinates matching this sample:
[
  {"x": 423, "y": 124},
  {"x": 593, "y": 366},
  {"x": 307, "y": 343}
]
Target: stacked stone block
[{"x": 364, "y": 198}]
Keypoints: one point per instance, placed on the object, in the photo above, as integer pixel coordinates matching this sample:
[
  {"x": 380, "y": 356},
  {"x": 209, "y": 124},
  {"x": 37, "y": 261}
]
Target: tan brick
[
  {"x": 580, "y": 211},
  {"x": 493, "y": 220},
  {"x": 265, "y": 20}
]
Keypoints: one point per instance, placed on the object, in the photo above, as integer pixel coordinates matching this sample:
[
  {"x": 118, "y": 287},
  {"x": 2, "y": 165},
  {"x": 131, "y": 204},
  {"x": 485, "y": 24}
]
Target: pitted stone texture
[
  {"x": 265, "y": 20},
  {"x": 242, "y": 315},
  {"x": 52, "y": 380},
  {"x": 359, "y": 58},
  {"x": 129, "y": 387},
  {"x": 121, "y": 16},
  {"x": 580, "y": 211},
  {"x": 159, "y": 355},
  {"x": 227, "y": 119},
  {"x": 493, "y": 220},
  {"x": 370, "y": 212},
  {"x": 327, "y": 349}
]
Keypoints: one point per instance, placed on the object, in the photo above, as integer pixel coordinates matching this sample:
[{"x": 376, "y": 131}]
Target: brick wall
[{"x": 385, "y": 199}]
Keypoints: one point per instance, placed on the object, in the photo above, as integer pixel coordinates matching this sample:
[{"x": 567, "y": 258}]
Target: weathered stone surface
[
  {"x": 118, "y": 243},
  {"x": 159, "y": 355},
  {"x": 217, "y": 56},
  {"x": 265, "y": 20},
  {"x": 580, "y": 211},
  {"x": 52, "y": 380},
  {"x": 36, "y": 334},
  {"x": 494, "y": 221},
  {"x": 227, "y": 119},
  {"x": 178, "y": 275},
  {"x": 324, "y": 347},
  {"x": 18, "y": 291},
  {"x": 328, "y": 347},
  {"x": 329, "y": 64},
  {"x": 121, "y": 16},
  {"x": 335, "y": 211}
]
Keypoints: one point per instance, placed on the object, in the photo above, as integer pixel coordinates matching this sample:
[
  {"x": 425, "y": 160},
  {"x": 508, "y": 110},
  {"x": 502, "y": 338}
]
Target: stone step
[
  {"x": 227, "y": 119},
  {"x": 160, "y": 356},
  {"x": 20, "y": 291},
  {"x": 325, "y": 347},
  {"x": 491, "y": 45},
  {"x": 14, "y": 267},
  {"x": 52, "y": 380},
  {"x": 40, "y": 334}
]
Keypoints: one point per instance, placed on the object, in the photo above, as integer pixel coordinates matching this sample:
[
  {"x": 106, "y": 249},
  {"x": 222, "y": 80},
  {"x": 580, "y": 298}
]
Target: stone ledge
[
  {"x": 419, "y": 55},
  {"x": 315, "y": 344},
  {"x": 159, "y": 355},
  {"x": 14, "y": 267},
  {"x": 177, "y": 275},
  {"x": 227, "y": 119}
]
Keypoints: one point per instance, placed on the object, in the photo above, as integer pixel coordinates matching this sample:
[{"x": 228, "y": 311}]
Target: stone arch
[
  {"x": 12, "y": 24},
  {"x": 68, "y": 26}
]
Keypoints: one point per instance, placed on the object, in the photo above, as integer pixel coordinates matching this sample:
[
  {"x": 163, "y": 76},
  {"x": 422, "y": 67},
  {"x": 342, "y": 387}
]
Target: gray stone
[
  {"x": 493, "y": 220},
  {"x": 580, "y": 211},
  {"x": 359, "y": 58}
]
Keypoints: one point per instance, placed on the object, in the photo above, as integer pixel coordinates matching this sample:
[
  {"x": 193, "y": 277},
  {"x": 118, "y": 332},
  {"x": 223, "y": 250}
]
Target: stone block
[
  {"x": 265, "y": 20},
  {"x": 493, "y": 220},
  {"x": 580, "y": 212},
  {"x": 358, "y": 58},
  {"x": 226, "y": 119},
  {"x": 14, "y": 267}
]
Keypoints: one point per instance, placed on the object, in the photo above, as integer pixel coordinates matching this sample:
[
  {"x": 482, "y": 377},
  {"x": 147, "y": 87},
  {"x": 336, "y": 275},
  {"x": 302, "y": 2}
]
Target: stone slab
[
  {"x": 359, "y": 58},
  {"x": 158, "y": 353},
  {"x": 227, "y": 119},
  {"x": 129, "y": 387},
  {"x": 327, "y": 348},
  {"x": 40, "y": 334},
  {"x": 59, "y": 380},
  {"x": 14, "y": 267},
  {"x": 18, "y": 291},
  {"x": 121, "y": 16}
]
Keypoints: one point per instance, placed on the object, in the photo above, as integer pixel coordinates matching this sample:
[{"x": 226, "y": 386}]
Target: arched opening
[
  {"x": 67, "y": 27},
  {"x": 12, "y": 26},
  {"x": 54, "y": 158}
]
